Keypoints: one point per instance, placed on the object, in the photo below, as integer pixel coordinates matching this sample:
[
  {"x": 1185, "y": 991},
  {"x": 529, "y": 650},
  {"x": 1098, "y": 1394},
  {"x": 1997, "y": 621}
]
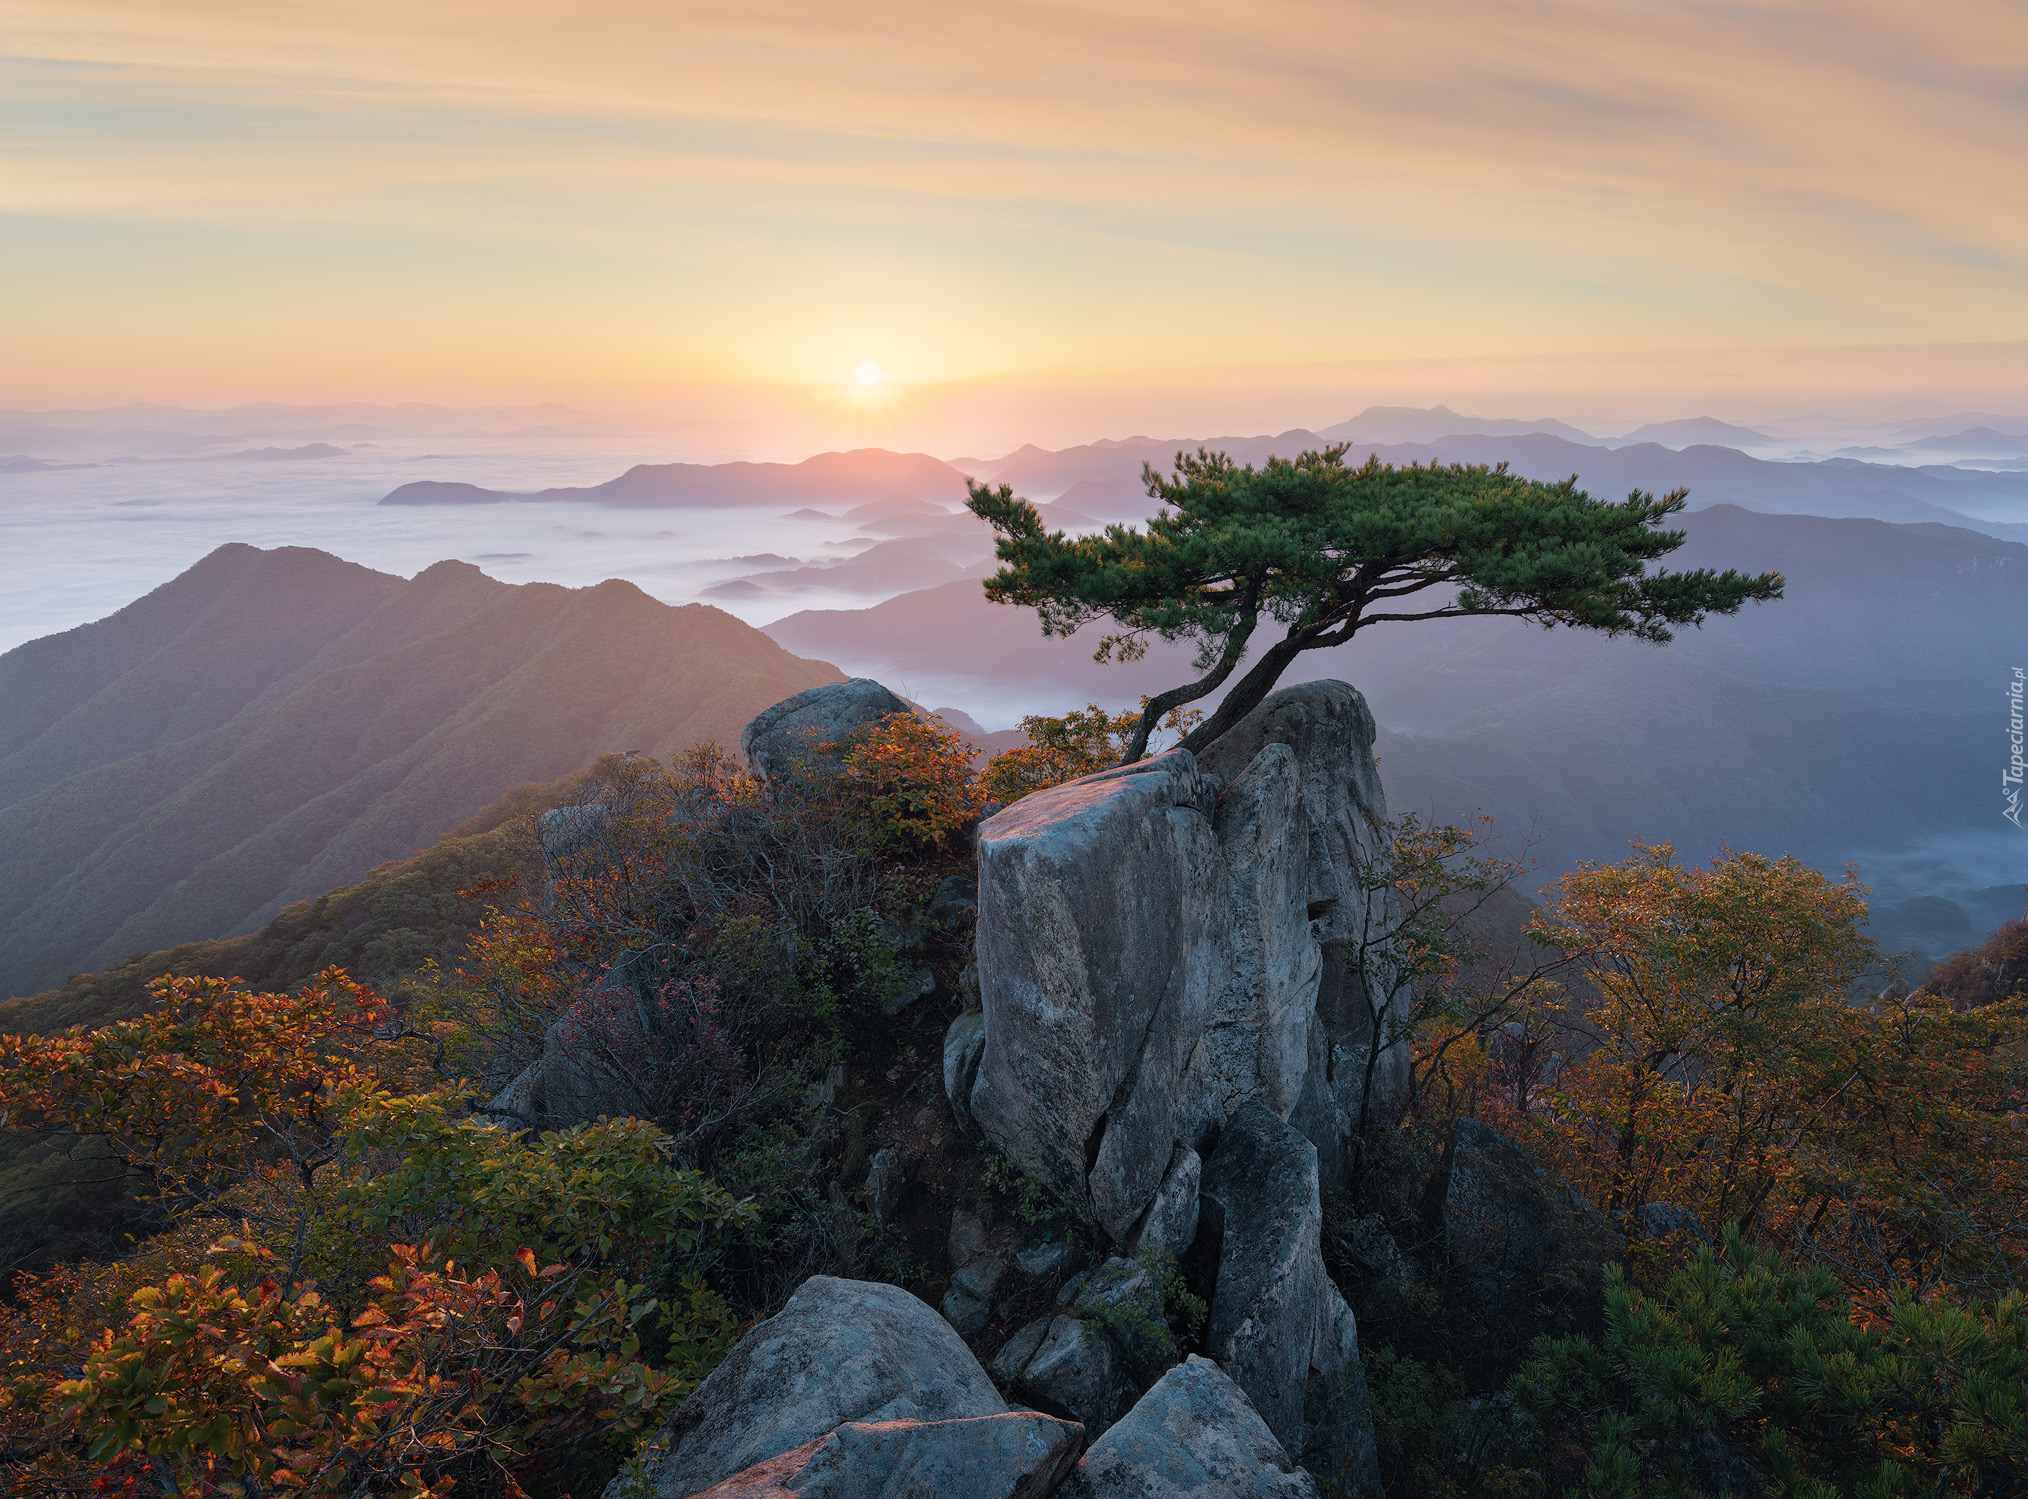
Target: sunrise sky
[{"x": 1081, "y": 216}]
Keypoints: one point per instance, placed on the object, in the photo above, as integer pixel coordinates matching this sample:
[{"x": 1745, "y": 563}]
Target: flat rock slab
[
  {"x": 840, "y": 1351},
  {"x": 1195, "y": 1435},
  {"x": 1018, "y": 1455}
]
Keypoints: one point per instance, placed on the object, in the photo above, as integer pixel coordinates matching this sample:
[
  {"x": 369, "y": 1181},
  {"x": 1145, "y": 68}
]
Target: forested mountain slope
[{"x": 272, "y": 724}]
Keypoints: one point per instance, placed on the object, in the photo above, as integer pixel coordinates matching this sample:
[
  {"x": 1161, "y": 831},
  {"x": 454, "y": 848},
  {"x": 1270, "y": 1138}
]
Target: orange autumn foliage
[
  {"x": 215, "y": 1076},
  {"x": 265, "y": 1389},
  {"x": 1728, "y": 1061}
]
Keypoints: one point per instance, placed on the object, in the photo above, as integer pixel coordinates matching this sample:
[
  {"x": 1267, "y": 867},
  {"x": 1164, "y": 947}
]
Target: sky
[{"x": 1058, "y": 220}]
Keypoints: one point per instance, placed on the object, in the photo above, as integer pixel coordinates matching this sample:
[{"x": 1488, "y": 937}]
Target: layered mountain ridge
[{"x": 1101, "y": 481}]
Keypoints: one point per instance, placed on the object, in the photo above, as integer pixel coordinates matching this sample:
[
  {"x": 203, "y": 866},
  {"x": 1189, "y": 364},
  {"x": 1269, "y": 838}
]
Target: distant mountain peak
[
  {"x": 1386, "y": 425},
  {"x": 273, "y": 723},
  {"x": 1983, "y": 442},
  {"x": 1689, "y": 430}
]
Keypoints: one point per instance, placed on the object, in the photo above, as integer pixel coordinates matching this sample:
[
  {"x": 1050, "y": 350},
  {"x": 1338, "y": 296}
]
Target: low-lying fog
[{"x": 83, "y": 542}]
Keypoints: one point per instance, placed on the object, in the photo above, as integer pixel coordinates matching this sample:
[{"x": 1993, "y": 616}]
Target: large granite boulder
[
  {"x": 1358, "y": 1055},
  {"x": 1152, "y": 946},
  {"x": 776, "y": 738},
  {"x": 1065, "y": 1365},
  {"x": 1278, "y": 1326},
  {"x": 1101, "y": 917},
  {"x": 840, "y": 1351},
  {"x": 1018, "y": 1455},
  {"x": 1193, "y": 1436}
]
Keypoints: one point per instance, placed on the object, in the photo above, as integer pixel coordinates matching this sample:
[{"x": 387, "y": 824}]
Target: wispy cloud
[{"x": 771, "y": 189}]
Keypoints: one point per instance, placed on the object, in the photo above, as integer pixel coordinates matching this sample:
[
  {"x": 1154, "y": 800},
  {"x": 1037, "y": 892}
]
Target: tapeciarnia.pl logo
[{"x": 2010, "y": 778}]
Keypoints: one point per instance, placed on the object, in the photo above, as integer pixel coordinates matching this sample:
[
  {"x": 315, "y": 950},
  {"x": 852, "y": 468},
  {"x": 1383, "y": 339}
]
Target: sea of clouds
[{"x": 83, "y": 542}]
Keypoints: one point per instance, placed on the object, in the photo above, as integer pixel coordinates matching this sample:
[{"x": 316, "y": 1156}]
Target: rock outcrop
[
  {"x": 841, "y": 1351},
  {"x": 779, "y": 736},
  {"x": 577, "y": 1077},
  {"x": 1090, "y": 1363},
  {"x": 1066, "y": 1365},
  {"x": 1162, "y": 943},
  {"x": 566, "y": 830},
  {"x": 1172, "y": 1037},
  {"x": 1170, "y": 1223},
  {"x": 1329, "y": 729},
  {"x": 964, "y": 1044},
  {"x": 1193, "y": 1436},
  {"x": 1278, "y": 1326}
]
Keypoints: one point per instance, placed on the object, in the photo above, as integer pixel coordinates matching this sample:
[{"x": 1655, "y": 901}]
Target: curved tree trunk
[
  {"x": 1176, "y": 697},
  {"x": 1251, "y": 690}
]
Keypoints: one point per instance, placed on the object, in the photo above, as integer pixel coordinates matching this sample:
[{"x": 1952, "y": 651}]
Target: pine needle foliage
[{"x": 1325, "y": 549}]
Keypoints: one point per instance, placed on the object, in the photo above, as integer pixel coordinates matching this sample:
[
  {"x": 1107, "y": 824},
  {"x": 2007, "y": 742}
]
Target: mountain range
[
  {"x": 271, "y": 724},
  {"x": 1102, "y": 481},
  {"x": 1855, "y": 718},
  {"x": 861, "y": 475},
  {"x": 145, "y": 429}
]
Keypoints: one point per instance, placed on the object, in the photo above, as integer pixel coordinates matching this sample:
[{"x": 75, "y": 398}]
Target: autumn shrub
[
  {"x": 407, "y": 1297},
  {"x": 708, "y": 946},
  {"x": 440, "y": 1373},
  {"x": 1995, "y": 970},
  {"x": 509, "y": 1343},
  {"x": 910, "y": 786},
  {"x": 1081, "y": 742},
  {"x": 216, "y": 1077},
  {"x": 664, "y": 1055},
  {"x": 1059, "y": 749}
]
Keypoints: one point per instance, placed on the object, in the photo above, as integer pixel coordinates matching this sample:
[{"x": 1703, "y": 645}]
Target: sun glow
[{"x": 867, "y": 373}]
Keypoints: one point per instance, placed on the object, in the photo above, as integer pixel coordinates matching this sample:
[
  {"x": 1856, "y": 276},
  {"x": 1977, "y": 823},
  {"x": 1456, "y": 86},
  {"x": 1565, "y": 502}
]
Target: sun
[{"x": 867, "y": 373}]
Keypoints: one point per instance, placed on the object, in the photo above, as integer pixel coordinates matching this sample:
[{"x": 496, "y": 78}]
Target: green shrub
[{"x": 1766, "y": 1362}]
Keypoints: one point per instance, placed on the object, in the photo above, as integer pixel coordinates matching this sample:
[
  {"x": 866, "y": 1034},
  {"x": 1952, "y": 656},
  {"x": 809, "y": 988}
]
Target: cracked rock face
[
  {"x": 1099, "y": 910},
  {"x": 1278, "y": 1326},
  {"x": 1170, "y": 1223},
  {"x": 1072, "y": 1370},
  {"x": 1154, "y": 942},
  {"x": 1329, "y": 730}
]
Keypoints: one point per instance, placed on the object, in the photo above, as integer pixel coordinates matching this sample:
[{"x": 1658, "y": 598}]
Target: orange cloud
[{"x": 631, "y": 196}]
